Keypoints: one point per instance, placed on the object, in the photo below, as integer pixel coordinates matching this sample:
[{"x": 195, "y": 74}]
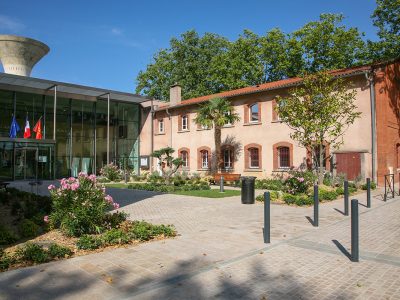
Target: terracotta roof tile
[{"x": 263, "y": 87}]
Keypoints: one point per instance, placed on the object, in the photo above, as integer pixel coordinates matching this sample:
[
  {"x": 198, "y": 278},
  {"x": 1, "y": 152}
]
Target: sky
[{"x": 106, "y": 43}]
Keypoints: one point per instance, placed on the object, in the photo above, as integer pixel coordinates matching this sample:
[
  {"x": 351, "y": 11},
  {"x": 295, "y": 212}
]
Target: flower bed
[
  {"x": 77, "y": 220},
  {"x": 159, "y": 187}
]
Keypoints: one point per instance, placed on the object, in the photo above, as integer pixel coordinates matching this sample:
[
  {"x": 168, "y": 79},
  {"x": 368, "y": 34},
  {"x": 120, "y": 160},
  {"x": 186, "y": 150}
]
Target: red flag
[
  {"x": 27, "y": 131},
  {"x": 38, "y": 129}
]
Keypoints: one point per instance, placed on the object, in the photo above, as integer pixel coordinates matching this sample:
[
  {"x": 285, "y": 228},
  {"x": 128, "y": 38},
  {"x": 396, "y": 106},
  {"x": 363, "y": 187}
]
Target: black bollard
[
  {"x": 354, "y": 231},
  {"x": 221, "y": 185},
  {"x": 346, "y": 198},
  {"x": 368, "y": 192},
  {"x": 316, "y": 205},
  {"x": 267, "y": 218}
]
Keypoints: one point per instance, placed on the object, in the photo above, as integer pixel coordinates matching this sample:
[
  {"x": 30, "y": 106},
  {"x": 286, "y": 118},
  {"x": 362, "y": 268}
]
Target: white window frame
[
  {"x": 204, "y": 159},
  {"x": 251, "y": 120},
  {"x": 228, "y": 164},
  {"x": 250, "y": 160},
  {"x": 228, "y": 113},
  {"x": 161, "y": 126},
  {"x": 185, "y": 121},
  {"x": 185, "y": 159}
]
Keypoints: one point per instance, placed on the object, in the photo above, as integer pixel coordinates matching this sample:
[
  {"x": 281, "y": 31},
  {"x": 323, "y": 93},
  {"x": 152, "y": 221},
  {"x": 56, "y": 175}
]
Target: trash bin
[{"x": 248, "y": 189}]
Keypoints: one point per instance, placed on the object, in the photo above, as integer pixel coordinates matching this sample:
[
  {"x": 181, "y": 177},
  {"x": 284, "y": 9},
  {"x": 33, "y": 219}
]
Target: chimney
[{"x": 175, "y": 95}]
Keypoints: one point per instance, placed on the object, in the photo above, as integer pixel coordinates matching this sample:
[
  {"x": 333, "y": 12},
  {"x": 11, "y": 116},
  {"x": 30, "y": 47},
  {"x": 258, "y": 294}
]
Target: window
[
  {"x": 185, "y": 157},
  {"x": 204, "y": 127},
  {"x": 227, "y": 123},
  {"x": 161, "y": 126},
  {"x": 185, "y": 122},
  {"x": 316, "y": 156},
  {"x": 253, "y": 113},
  {"x": 254, "y": 158},
  {"x": 204, "y": 159},
  {"x": 284, "y": 157},
  {"x": 228, "y": 158}
]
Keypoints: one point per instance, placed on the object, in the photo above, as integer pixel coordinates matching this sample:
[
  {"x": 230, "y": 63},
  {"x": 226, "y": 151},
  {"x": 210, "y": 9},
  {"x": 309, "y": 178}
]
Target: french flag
[{"x": 27, "y": 131}]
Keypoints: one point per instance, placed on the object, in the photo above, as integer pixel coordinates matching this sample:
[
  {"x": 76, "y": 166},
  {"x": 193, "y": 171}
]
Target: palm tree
[{"x": 216, "y": 113}]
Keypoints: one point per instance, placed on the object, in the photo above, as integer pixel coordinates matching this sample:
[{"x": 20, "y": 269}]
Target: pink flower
[
  {"x": 51, "y": 187},
  {"x": 301, "y": 179},
  {"x": 109, "y": 199},
  {"x": 46, "y": 219},
  {"x": 92, "y": 177},
  {"x": 116, "y": 205},
  {"x": 74, "y": 186}
]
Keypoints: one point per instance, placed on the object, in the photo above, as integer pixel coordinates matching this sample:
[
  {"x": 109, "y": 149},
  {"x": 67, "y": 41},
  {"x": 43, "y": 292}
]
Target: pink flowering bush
[
  {"x": 80, "y": 205},
  {"x": 298, "y": 182},
  {"x": 111, "y": 172}
]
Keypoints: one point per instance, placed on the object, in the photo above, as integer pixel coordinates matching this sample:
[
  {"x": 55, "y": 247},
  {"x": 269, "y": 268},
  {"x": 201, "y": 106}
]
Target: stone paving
[{"x": 220, "y": 254}]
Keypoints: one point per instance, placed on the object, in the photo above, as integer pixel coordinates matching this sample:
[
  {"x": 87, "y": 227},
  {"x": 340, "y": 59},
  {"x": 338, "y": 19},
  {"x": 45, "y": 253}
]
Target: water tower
[{"x": 19, "y": 54}]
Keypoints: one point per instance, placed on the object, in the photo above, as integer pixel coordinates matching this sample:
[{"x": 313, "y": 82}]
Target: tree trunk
[
  {"x": 321, "y": 165},
  {"x": 217, "y": 141}
]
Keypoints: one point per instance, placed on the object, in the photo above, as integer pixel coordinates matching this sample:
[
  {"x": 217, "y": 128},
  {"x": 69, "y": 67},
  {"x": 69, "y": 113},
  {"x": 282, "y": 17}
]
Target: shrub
[
  {"x": 269, "y": 184},
  {"x": 115, "y": 219},
  {"x": 273, "y": 194},
  {"x": 5, "y": 261},
  {"x": 328, "y": 179},
  {"x": 28, "y": 229},
  {"x": 304, "y": 200},
  {"x": 144, "y": 231},
  {"x": 59, "y": 251},
  {"x": 33, "y": 253},
  {"x": 327, "y": 195},
  {"x": 339, "y": 179},
  {"x": 154, "y": 177},
  {"x": 6, "y": 236},
  {"x": 289, "y": 198},
  {"x": 89, "y": 242},
  {"x": 80, "y": 205},
  {"x": 163, "y": 188},
  {"x": 373, "y": 186},
  {"x": 299, "y": 182},
  {"x": 111, "y": 172},
  {"x": 115, "y": 236},
  {"x": 340, "y": 190}
]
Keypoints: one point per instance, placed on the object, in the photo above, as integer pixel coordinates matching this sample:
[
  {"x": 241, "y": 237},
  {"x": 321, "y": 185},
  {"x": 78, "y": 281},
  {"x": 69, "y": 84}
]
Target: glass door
[{"x": 26, "y": 163}]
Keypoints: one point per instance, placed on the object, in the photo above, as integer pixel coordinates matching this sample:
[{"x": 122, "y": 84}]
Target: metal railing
[{"x": 389, "y": 186}]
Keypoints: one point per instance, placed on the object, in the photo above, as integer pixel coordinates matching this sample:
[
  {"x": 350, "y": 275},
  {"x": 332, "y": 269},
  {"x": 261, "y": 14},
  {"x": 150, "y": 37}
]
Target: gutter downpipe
[
  {"x": 152, "y": 112},
  {"x": 370, "y": 78},
  {"x": 170, "y": 126}
]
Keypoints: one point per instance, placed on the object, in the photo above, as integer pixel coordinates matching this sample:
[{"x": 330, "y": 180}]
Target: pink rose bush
[
  {"x": 298, "y": 182},
  {"x": 80, "y": 205}
]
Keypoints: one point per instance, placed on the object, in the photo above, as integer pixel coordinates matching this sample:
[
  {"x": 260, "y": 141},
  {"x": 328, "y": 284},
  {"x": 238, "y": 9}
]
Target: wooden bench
[{"x": 227, "y": 177}]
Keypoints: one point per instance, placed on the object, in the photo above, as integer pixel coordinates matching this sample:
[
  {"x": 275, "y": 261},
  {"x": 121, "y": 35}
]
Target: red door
[{"x": 349, "y": 163}]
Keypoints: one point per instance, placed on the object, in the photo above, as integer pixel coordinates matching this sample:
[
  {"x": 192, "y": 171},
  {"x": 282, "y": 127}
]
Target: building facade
[
  {"x": 260, "y": 144},
  {"x": 83, "y": 128}
]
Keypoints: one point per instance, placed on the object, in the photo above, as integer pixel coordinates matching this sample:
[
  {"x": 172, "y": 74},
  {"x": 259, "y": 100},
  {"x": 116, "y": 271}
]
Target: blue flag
[{"x": 14, "y": 128}]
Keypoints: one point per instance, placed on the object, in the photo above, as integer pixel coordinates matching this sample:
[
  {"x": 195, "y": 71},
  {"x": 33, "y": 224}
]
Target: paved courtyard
[{"x": 220, "y": 254}]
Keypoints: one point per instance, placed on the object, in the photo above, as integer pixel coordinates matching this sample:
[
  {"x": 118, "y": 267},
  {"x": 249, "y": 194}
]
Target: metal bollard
[
  {"x": 267, "y": 218},
  {"x": 316, "y": 205},
  {"x": 354, "y": 231},
  {"x": 346, "y": 198},
  {"x": 368, "y": 192},
  {"x": 221, "y": 185}
]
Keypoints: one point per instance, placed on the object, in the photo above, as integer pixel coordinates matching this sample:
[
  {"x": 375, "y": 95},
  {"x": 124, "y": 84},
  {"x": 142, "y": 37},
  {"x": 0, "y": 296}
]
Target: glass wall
[{"x": 81, "y": 136}]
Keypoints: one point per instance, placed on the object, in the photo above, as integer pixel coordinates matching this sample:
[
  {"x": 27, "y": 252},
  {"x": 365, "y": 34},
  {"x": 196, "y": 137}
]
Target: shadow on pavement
[
  {"x": 339, "y": 211},
  {"x": 310, "y": 220},
  {"x": 342, "y": 249},
  {"x": 126, "y": 197}
]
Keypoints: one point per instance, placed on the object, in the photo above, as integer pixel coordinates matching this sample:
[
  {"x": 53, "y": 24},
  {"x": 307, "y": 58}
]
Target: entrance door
[
  {"x": 26, "y": 162},
  {"x": 349, "y": 164}
]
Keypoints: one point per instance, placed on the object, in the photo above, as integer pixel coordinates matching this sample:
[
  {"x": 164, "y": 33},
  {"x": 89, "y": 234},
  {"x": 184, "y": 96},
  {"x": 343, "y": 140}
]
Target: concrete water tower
[{"x": 19, "y": 54}]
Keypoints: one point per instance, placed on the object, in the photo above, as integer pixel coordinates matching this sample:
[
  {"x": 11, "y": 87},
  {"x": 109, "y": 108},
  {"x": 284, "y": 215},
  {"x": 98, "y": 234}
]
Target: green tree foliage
[
  {"x": 168, "y": 164},
  {"x": 216, "y": 113},
  {"x": 319, "y": 111},
  {"x": 210, "y": 63},
  {"x": 386, "y": 18}
]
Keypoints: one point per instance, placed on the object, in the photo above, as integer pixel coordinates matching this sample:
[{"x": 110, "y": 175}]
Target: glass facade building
[{"x": 87, "y": 132}]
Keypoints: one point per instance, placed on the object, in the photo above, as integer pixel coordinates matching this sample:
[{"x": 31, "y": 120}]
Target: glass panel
[
  {"x": 6, "y": 160},
  {"x": 6, "y": 111},
  {"x": 284, "y": 157},
  {"x": 254, "y": 113}
]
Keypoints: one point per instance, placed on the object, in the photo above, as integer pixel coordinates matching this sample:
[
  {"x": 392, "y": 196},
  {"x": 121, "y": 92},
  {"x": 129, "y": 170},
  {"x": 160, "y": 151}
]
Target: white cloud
[
  {"x": 10, "y": 24},
  {"x": 116, "y": 31}
]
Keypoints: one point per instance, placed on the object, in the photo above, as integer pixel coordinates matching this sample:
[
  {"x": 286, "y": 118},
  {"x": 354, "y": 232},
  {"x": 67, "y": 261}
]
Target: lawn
[{"x": 213, "y": 193}]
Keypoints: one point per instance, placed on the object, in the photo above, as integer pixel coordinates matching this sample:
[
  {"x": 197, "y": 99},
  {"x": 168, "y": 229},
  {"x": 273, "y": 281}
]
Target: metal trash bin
[{"x": 248, "y": 183}]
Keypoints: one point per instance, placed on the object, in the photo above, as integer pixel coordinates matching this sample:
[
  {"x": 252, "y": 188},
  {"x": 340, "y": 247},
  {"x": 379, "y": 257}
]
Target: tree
[
  {"x": 216, "y": 113},
  {"x": 386, "y": 18},
  {"x": 319, "y": 111},
  {"x": 327, "y": 45},
  {"x": 168, "y": 164}
]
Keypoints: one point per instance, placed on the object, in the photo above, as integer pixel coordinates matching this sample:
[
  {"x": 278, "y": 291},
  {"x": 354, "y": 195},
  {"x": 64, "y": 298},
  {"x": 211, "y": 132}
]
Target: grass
[
  {"x": 213, "y": 193},
  {"x": 117, "y": 185}
]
